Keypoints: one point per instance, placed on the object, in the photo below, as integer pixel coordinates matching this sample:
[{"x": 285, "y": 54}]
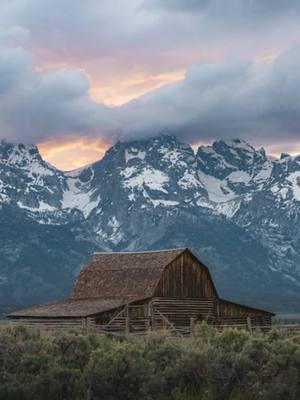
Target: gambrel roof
[
  {"x": 109, "y": 281},
  {"x": 123, "y": 275}
]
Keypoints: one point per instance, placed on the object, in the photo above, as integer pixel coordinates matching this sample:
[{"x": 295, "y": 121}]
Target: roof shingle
[{"x": 109, "y": 281}]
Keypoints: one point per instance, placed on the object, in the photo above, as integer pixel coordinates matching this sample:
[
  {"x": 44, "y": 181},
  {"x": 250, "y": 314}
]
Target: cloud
[
  {"x": 258, "y": 9},
  {"x": 222, "y": 20},
  {"x": 36, "y": 105},
  {"x": 116, "y": 41},
  {"x": 106, "y": 29},
  {"x": 149, "y": 39},
  {"x": 237, "y": 98},
  {"x": 14, "y": 35},
  {"x": 68, "y": 26},
  {"x": 257, "y": 101}
]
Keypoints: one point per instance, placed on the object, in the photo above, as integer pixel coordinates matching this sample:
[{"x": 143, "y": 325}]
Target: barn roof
[
  {"x": 107, "y": 282},
  {"x": 244, "y": 306},
  {"x": 71, "y": 308},
  {"x": 123, "y": 274}
]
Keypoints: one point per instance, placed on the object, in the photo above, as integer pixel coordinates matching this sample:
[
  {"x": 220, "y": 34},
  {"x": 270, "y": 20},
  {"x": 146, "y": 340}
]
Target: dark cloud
[
  {"x": 75, "y": 26},
  {"x": 234, "y": 7},
  {"x": 178, "y": 5},
  {"x": 100, "y": 28},
  {"x": 234, "y": 99},
  {"x": 216, "y": 18},
  {"x": 35, "y": 105},
  {"x": 256, "y": 101}
]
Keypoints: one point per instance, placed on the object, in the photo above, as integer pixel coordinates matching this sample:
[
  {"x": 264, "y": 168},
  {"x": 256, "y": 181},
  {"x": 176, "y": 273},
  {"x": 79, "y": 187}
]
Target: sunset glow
[
  {"x": 76, "y": 153},
  {"x": 132, "y": 87},
  {"x": 72, "y": 154}
]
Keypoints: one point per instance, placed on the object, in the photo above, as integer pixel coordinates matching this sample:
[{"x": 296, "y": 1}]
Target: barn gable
[{"x": 186, "y": 276}]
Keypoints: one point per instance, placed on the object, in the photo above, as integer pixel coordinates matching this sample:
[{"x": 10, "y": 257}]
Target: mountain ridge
[{"x": 159, "y": 192}]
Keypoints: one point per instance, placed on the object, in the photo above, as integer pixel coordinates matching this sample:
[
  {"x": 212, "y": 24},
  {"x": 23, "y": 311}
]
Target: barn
[{"x": 142, "y": 292}]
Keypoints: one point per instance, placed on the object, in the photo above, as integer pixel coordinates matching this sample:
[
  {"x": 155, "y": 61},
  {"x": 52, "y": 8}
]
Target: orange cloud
[
  {"x": 72, "y": 154},
  {"x": 133, "y": 86},
  {"x": 76, "y": 153},
  {"x": 268, "y": 57}
]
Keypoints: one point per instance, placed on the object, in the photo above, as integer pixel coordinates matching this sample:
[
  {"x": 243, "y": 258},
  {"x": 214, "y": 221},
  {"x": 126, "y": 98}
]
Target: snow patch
[
  {"x": 239, "y": 177},
  {"x": 116, "y": 236},
  {"x": 43, "y": 207},
  {"x": 264, "y": 173},
  {"x": 76, "y": 198},
  {"x": 128, "y": 172},
  {"x": 228, "y": 209},
  {"x": 283, "y": 192},
  {"x": 294, "y": 178},
  {"x": 134, "y": 153},
  {"x": 149, "y": 177},
  {"x": 189, "y": 180},
  {"x": 171, "y": 156},
  {"x": 217, "y": 190},
  {"x": 275, "y": 188},
  {"x": 166, "y": 203}
]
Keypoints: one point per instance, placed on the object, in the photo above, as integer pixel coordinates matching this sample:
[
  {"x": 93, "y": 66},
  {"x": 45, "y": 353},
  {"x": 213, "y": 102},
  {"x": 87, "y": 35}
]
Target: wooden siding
[
  {"x": 185, "y": 277},
  {"x": 228, "y": 309},
  {"x": 245, "y": 320},
  {"x": 180, "y": 311},
  {"x": 52, "y": 324}
]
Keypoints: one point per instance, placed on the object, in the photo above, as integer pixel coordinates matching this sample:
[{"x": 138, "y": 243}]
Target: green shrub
[{"x": 231, "y": 365}]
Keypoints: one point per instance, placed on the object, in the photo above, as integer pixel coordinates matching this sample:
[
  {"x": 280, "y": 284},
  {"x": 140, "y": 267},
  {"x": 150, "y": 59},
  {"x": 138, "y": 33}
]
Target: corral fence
[{"x": 284, "y": 330}]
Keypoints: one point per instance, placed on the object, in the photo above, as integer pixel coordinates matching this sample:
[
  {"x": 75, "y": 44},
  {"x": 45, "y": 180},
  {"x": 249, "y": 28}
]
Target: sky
[{"x": 77, "y": 76}]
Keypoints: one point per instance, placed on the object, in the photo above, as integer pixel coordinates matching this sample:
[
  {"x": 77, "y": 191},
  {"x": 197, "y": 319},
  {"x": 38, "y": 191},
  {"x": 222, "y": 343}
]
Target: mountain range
[{"x": 235, "y": 207}]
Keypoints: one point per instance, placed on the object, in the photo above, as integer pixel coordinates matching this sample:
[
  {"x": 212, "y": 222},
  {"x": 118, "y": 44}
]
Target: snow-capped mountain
[{"x": 237, "y": 208}]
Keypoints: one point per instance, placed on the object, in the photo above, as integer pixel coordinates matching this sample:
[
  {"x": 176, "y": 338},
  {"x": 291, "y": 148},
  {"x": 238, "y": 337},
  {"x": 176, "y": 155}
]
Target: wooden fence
[
  {"x": 165, "y": 327},
  {"x": 162, "y": 326}
]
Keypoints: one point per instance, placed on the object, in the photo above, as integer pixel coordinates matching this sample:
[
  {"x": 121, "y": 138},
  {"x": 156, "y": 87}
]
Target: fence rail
[
  {"x": 120, "y": 325},
  {"x": 284, "y": 330}
]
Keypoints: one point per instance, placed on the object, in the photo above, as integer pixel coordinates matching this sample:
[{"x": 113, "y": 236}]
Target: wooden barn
[{"x": 140, "y": 292}]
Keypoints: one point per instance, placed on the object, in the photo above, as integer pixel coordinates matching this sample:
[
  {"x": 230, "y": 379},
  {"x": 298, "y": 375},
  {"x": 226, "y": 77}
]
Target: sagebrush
[{"x": 212, "y": 366}]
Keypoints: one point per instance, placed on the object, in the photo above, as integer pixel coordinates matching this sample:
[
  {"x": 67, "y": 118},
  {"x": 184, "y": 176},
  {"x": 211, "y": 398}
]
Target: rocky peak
[
  {"x": 162, "y": 156},
  {"x": 18, "y": 155},
  {"x": 284, "y": 155},
  {"x": 162, "y": 149},
  {"x": 27, "y": 181},
  {"x": 226, "y": 156}
]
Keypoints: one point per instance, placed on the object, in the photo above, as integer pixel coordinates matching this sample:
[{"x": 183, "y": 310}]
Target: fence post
[
  {"x": 127, "y": 329},
  {"x": 83, "y": 325},
  {"x": 192, "y": 326},
  {"x": 127, "y": 322},
  {"x": 87, "y": 329},
  {"x": 152, "y": 317},
  {"x": 90, "y": 325},
  {"x": 249, "y": 324}
]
